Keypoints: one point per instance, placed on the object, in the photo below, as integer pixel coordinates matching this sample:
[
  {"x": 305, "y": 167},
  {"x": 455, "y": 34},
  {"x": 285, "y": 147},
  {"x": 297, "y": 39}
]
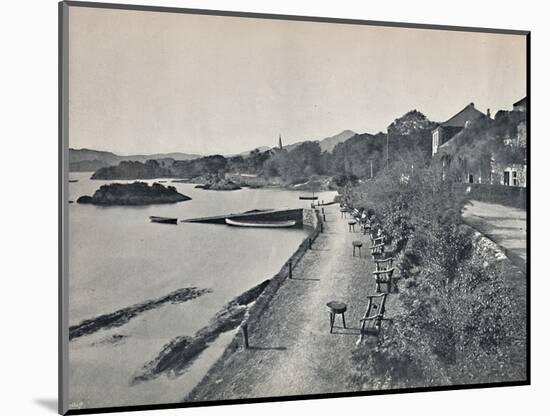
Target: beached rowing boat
[
  {"x": 163, "y": 220},
  {"x": 312, "y": 198},
  {"x": 261, "y": 224}
]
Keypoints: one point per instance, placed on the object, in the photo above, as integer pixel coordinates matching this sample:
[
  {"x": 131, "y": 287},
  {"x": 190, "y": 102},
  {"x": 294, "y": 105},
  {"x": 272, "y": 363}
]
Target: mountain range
[
  {"x": 88, "y": 160},
  {"x": 328, "y": 143}
]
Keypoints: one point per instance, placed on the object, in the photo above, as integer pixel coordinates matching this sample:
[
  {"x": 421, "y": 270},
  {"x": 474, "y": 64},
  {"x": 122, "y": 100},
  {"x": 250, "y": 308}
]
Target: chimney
[{"x": 489, "y": 113}]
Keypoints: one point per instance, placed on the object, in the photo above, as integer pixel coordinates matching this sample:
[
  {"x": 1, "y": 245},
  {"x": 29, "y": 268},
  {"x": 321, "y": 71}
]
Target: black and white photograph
[
  {"x": 264, "y": 208},
  {"x": 260, "y": 207}
]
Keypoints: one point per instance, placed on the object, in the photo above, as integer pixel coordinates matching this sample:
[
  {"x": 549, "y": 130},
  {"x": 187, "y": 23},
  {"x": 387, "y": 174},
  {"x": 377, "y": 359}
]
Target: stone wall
[
  {"x": 495, "y": 257},
  {"x": 512, "y": 196},
  {"x": 255, "y": 311},
  {"x": 309, "y": 217}
]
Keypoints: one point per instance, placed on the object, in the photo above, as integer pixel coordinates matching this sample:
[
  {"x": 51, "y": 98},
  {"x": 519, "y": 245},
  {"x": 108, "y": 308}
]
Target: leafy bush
[{"x": 461, "y": 322}]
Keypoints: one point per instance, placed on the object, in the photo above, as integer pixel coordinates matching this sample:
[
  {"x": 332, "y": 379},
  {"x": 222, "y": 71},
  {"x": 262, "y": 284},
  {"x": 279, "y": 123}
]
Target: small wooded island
[
  {"x": 136, "y": 193},
  {"x": 218, "y": 183}
]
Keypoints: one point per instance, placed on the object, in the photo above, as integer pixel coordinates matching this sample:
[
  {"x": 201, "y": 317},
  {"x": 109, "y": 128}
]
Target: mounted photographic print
[{"x": 263, "y": 207}]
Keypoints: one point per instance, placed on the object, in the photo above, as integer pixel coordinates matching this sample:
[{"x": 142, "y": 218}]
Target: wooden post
[
  {"x": 290, "y": 269},
  {"x": 309, "y": 243},
  {"x": 244, "y": 330}
]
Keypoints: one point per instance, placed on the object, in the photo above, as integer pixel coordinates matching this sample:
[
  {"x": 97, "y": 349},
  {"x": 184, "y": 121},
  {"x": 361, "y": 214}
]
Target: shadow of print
[
  {"x": 267, "y": 348},
  {"x": 305, "y": 279},
  {"x": 49, "y": 404}
]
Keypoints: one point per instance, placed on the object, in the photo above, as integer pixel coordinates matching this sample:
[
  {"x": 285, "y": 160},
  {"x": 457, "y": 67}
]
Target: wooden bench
[
  {"x": 372, "y": 320},
  {"x": 365, "y": 226},
  {"x": 376, "y": 239},
  {"x": 377, "y": 250},
  {"x": 384, "y": 264},
  {"x": 384, "y": 274}
]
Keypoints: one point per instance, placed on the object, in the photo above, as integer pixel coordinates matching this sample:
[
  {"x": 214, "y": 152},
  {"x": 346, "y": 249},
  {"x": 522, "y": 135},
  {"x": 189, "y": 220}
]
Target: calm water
[{"x": 118, "y": 258}]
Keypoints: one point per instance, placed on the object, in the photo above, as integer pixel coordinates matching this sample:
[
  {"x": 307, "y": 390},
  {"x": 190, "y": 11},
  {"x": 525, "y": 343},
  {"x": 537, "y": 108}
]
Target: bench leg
[
  {"x": 361, "y": 334},
  {"x": 344, "y": 319},
  {"x": 331, "y": 316},
  {"x": 377, "y": 326}
]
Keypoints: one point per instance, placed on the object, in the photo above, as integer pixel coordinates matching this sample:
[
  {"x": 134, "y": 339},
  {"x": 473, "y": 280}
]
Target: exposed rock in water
[
  {"x": 123, "y": 316},
  {"x": 115, "y": 339},
  {"x": 137, "y": 193},
  {"x": 219, "y": 184},
  {"x": 176, "y": 356},
  {"x": 317, "y": 184}
]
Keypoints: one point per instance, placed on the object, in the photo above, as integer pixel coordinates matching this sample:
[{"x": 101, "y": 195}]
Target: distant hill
[
  {"x": 328, "y": 143},
  {"x": 247, "y": 152},
  {"x": 88, "y": 160}
]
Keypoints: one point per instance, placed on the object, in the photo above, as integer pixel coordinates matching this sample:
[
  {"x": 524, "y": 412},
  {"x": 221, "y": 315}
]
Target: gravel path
[{"x": 291, "y": 350}]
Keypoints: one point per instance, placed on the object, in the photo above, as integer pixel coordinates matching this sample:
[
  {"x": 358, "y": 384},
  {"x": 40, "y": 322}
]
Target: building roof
[
  {"x": 523, "y": 101},
  {"x": 468, "y": 113}
]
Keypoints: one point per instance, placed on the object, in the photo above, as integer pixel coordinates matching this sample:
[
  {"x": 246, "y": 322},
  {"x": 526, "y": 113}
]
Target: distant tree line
[{"x": 362, "y": 156}]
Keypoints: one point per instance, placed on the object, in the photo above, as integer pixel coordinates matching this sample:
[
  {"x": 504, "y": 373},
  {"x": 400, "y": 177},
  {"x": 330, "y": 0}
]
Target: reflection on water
[{"x": 118, "y": 258}]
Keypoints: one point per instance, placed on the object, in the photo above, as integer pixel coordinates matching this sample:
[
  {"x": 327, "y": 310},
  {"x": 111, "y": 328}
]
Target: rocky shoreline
[
  {"x": 262, "y": 302},
  {"x": 123, "y": 316},
  {"x": 176, "y": 356},
  {"x": 180, "y": 353}
]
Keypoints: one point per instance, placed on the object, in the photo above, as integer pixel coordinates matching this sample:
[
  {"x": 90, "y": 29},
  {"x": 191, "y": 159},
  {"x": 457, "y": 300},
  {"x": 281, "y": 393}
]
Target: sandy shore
[{"x": 291, "y": 350}]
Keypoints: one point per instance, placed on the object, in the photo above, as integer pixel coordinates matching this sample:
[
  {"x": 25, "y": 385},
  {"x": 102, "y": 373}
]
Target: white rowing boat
[{"x": 261, "y": 224}]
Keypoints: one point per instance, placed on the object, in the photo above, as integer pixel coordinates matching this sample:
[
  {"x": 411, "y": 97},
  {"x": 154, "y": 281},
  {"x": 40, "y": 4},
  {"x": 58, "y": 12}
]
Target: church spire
[{"x": 280, "y": 142}]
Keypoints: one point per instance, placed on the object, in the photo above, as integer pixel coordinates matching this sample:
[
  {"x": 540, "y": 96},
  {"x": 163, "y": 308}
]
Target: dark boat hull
[
  {"x": 164, "y": 220},
  {"x": 309, "y": 198}
]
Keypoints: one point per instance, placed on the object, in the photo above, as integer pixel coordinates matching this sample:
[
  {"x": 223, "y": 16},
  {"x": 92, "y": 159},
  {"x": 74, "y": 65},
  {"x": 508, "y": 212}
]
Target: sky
[{"x": 151, "y": 82}]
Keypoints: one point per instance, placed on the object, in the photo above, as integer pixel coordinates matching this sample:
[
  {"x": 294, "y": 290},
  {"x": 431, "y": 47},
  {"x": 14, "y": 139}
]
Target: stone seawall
[
  {"x": 494, "y": 256},
  {"x": 255, "y": 311}
]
